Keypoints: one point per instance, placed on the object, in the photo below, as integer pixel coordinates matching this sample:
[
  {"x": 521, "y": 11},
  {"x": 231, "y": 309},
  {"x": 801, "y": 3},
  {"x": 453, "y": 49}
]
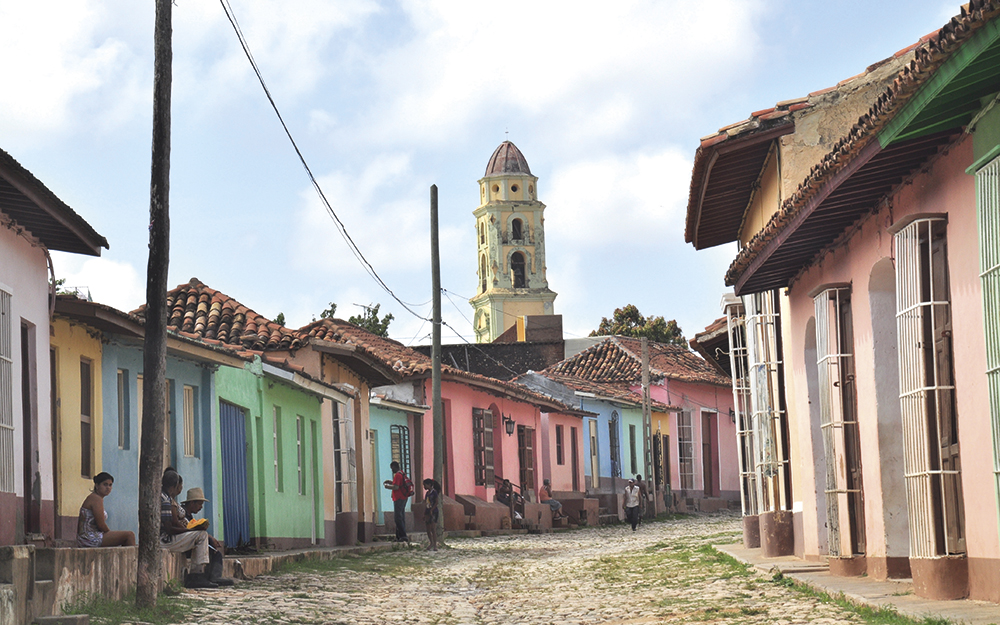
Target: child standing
[{"x": 431, "y": 506}]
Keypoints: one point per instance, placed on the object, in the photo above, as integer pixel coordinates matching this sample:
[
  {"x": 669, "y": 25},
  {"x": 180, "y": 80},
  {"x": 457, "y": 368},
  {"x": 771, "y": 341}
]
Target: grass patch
[
  {"x": 870, "y": 614},
  {"x": 388, "y": 564},
  {"x": 104, "y": 611}
]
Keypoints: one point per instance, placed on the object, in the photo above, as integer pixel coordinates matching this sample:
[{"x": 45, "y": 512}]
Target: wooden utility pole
[
  {"x": 436, "y": 354},
  {"x": 647, "y": 421},
  {"x": 155, "y": 341}
]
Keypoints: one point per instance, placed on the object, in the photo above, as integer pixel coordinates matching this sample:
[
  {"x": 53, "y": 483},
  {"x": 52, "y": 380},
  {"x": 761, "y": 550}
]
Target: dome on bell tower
[{"x": 507, "y": 159}]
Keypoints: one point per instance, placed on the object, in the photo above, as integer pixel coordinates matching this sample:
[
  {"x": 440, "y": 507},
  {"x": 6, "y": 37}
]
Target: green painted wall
[
  {"x": 286, "y": 499},
  {"x": 381, "y": 419},
  {"x": 987, "y": 135}
]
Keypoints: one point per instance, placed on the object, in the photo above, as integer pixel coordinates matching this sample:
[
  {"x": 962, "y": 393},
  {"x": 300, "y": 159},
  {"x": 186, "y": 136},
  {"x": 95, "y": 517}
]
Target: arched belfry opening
[{"x": 517, "y": 270}]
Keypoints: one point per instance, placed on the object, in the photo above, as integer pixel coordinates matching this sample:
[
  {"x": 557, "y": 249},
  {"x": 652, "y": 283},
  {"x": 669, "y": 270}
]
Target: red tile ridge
[
  {"x": 787, "y": 103},
  {"x": 929, "y": 36},
  {"x": 712, "y": 140},
  {"x": 733, "y": 125},
  {"x": 906, "y": 50},
  {"x": 799, "y": 107},
  {"x": 821, "y": 92},
  {"x": 774, "y": 115},
  {"x": 852, "y": 78},
  {"x": 761, "y": 112}
]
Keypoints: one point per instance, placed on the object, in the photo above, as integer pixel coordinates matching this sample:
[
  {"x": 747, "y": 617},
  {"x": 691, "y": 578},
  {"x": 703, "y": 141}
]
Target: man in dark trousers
[{"x": 400, "y": 495}]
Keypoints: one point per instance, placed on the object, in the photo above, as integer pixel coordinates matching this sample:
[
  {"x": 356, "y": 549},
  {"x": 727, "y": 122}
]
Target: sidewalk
[{"x": 896, "y": 594}]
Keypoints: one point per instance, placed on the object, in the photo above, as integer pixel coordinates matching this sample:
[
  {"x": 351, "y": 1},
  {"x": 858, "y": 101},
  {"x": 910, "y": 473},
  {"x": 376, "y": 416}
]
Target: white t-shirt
[{"x": 631, "y": 496}]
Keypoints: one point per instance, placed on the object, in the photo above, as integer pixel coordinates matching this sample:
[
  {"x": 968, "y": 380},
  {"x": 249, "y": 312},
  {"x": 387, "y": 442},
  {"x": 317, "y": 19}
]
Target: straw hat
[{"x": 195, "y": 494}]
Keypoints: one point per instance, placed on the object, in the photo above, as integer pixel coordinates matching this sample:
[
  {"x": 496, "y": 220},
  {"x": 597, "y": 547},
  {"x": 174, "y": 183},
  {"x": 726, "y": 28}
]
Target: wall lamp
[{"x": 508, "y": 424}]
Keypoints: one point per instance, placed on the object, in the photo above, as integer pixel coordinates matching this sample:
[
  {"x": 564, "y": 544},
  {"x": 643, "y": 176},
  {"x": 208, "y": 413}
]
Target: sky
[{"x": 607, "y": 102}]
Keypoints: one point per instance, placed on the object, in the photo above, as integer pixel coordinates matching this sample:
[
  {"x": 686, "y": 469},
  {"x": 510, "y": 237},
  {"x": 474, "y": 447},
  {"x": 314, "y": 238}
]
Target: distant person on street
[
  {"x": 92, "y": 526},
  {"x": 643, "y": 497},
  {"x": 631, "y": 503},
  {"x": 545, "y": 496},
  {"x": 400, "y": 495},
  {"x": 432, "y": 505}
]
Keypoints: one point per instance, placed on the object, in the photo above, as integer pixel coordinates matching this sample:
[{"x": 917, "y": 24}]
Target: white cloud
[
  {"x": 116, "y": 284},
  {"x": 603, "y": 201},
  {"x": 468, "y": 61},
  {"x": 56, "y": 54}
]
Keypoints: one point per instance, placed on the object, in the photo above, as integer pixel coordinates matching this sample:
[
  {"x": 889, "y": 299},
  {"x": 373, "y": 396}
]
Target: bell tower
[{"x": 510, "y": 239}]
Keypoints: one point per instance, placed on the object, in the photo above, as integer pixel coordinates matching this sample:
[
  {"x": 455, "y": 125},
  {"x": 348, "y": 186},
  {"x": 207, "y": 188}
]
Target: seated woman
[
  {"x": 545, "y": 496},
  {"x": 92, "y": 527},
  {"x": 504, "y": 493}
]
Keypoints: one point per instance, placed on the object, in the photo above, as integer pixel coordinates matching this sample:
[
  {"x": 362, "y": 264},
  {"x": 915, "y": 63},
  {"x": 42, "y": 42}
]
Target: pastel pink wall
[
  {"x": 459, "y": 400},
  {"x": 945, "y": 188},
  {"x": 698, "y": 398}
]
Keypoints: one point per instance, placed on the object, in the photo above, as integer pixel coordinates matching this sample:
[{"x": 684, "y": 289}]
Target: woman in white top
[{"x": 92, "y": 527}]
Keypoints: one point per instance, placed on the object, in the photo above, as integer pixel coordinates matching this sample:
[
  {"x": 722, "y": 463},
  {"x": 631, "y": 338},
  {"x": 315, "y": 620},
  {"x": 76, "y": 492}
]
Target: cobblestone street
[{"x": 663, "y": 573}]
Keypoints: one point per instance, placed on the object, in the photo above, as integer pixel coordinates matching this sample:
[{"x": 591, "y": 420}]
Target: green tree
[
  {"x": 280, "y": 319},
  {"x": 329, "y": 312},
  {"x": 369, "y": 320},
  {"x": 628, "y": 321}
]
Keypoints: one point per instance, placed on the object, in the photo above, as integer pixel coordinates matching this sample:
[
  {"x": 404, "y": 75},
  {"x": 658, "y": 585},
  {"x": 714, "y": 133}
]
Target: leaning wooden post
[{"x": 155, "y": 341}]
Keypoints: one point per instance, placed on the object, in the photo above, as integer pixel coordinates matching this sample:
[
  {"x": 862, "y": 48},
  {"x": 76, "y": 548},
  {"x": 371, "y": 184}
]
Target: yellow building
[
  {"x": 510, "y": 237},
  {"x": 76, "y": 388}
]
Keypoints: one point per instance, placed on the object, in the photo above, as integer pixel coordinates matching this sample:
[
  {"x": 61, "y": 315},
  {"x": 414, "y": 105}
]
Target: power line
[{"x": 319, "y": 191}]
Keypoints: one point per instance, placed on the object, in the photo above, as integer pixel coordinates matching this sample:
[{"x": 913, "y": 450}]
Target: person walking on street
[
  {"x": 432, "y": 501},
  {"x": 643, "y": 497},
  {"x": 400, "y": 495},
  {"x": 631, "y": 503}
]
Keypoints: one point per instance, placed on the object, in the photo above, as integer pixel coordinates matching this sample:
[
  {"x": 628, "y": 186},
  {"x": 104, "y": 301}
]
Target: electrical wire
[{"x": 319, "y": 191}]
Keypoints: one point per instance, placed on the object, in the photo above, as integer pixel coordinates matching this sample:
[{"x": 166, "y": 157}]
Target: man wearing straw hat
[{"x": 192, "y": 505}]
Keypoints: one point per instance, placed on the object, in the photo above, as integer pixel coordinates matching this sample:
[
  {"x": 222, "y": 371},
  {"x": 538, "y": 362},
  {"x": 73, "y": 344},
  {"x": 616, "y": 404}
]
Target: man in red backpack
[{"x": 401, "y": 486}]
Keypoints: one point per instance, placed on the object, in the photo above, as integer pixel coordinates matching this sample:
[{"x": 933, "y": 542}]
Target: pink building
[{"x": 885, "y": 252}]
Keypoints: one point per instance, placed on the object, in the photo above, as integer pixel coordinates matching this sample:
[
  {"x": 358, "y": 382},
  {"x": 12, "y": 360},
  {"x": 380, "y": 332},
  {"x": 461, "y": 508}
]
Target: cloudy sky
[{"x": 607, "y": 101}]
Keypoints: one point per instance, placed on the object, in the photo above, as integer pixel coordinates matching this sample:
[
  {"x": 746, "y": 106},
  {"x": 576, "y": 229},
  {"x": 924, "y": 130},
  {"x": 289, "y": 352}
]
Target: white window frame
[
  {"x": 838, "y": 422},
  {"x": 190, "y": 423},
  {"x": 7, "y": 465},
  {"x": 930, "y": 486}
]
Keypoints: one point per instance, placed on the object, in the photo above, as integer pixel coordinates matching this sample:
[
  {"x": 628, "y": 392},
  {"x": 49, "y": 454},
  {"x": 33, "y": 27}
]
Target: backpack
[{"x": 408, "y": 486}]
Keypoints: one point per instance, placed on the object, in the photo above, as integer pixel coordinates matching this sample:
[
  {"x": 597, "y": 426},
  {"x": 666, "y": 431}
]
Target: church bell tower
[{"x": 510, "y": 238}]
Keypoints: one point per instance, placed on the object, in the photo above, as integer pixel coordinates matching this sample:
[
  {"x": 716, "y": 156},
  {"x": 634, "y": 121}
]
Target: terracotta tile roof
[
  {"x": 196, "y": 310},
  {"x": 617, "y": 391},
  {"x": 619, "y": 359},
  {"x": 715, "y": 210},
  {"x": 932, "y": 52},
  {"x": 409, "y": 363},
  {"x": 390, "y": 354}
]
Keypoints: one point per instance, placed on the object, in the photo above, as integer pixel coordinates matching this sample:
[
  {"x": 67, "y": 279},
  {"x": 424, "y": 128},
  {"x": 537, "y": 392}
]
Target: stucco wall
[
  {"x": 279, "y": 512},
  {"x": 23, "y": 274},
  {"x": 123, "y": 463},
  {"x": 72, "y": 342},
  {"x": 381, "y": 420},
  {"x": 699, "y": 398},
  {"x": 562, "y": 474},
  {"x": 945, "y": 188}
]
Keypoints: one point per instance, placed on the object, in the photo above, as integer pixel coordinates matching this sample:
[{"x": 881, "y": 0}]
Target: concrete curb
[{"x": 894, "y": 594}]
